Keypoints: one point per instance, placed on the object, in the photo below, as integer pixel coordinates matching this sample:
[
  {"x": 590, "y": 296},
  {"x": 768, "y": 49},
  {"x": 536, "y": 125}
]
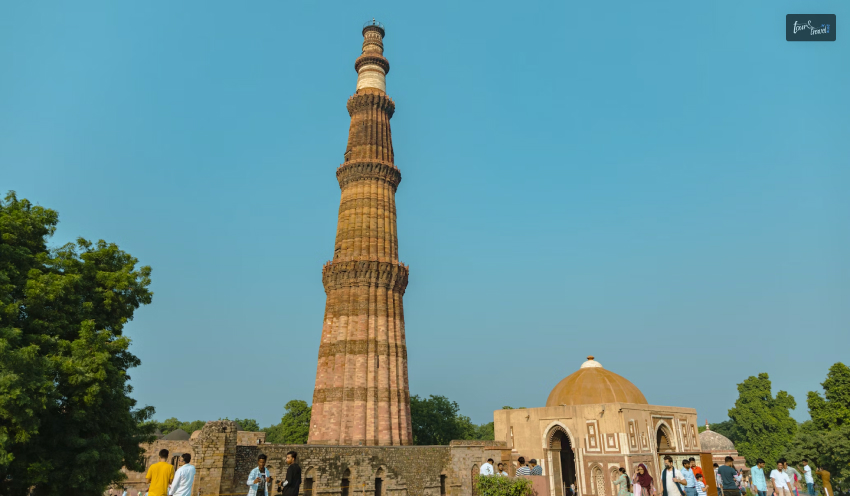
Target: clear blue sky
[{"x": 660, "y": 184}]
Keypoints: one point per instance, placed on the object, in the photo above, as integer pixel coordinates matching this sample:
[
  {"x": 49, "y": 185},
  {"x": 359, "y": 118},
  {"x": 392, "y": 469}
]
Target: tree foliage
[
  {"x": 763, "y": 427},
  {"x": 825, "y": 440},
  {"x": 437, "y": 421},
  {"x": 172, "y": 424},
  {"x": 294, "y": 426},
  {"x": 67, "y": 422}
]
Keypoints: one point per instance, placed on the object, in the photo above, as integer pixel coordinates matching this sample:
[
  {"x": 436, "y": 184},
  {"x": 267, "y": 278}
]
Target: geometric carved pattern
[
  {"x": 325, "y": 395},
  {"x": 373, "y": 169},
  {"x": 592, "y": 443},
  {"x": 364, "y": 101},
  {"x": 632, "y": 435},
  {"x": 385, "y": 275},
  {"x": 361, "y": 347}
]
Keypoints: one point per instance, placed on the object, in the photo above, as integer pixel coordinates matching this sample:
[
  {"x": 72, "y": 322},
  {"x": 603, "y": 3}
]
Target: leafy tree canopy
[
  {"x": 437, "y": 421},
  {"x": 294, "y": 426},
  {"x": 67, "y": 422},
  {"x": 832, "y": 409},
  {"x": 763, "y": 427},
  {"x": 825, "y": 440},
  {"x": 172, "y": 424}
]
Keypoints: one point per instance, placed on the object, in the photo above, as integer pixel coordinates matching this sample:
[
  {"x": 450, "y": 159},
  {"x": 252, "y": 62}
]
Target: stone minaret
[{"x": 361, "y": 394}]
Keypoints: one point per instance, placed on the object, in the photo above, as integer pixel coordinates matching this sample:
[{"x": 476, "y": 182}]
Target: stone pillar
[{"x": 215, "y": 458}]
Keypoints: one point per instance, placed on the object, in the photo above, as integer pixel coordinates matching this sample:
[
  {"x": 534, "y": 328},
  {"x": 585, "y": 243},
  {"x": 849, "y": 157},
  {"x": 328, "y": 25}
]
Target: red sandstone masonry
[{"x": 361, "y": 395}]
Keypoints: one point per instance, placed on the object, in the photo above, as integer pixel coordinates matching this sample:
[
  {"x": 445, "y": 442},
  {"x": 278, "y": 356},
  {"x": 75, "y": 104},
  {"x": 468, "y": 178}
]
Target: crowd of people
[
  {"x": 689, "y": 480},
  {"x": 163, "y": 480}
]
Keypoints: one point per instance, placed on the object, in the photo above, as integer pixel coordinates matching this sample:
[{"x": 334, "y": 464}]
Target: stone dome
[
  {"x": 592, "y": 384},
  {"x": 176, "y": 435},
  {"x": 712, "y": 441}
]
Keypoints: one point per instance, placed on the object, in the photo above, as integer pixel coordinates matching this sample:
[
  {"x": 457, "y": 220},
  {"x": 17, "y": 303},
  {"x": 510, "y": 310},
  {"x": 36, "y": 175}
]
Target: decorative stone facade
[
  {"x": 585, "y": 441},
  {"x": 361, "y": 395}
]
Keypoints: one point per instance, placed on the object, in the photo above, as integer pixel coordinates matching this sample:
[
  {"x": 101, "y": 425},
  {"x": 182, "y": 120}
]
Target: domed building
[
  {"x": 720, "y": 447},
  {"x": 594, "y": 422}
]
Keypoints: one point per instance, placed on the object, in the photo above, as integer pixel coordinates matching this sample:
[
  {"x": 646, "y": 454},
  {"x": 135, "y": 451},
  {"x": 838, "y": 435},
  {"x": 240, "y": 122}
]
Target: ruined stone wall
[{"x": 403, "y": 470}]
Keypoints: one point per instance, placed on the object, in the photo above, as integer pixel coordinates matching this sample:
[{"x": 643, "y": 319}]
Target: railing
[{"x": 373, "y": 22}]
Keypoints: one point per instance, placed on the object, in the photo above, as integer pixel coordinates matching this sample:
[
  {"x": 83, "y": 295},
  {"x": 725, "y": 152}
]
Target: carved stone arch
[
  {"x": 310, "y": 472},
  {"x": 597, "y": 480},
  {"x": 668, "y": 433},
  {"x": 613, "y": 475},
  {"x": 476, "y": 470},
  {"x": 380, "y": 473},
  {"x": 550, "y": 431}
]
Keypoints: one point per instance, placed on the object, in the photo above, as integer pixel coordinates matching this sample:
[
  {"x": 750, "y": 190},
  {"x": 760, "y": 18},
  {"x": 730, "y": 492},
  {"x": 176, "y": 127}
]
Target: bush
[{"x": 494, "y": 485}]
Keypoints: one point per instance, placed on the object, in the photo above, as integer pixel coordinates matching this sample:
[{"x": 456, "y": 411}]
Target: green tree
[
  {"x": 485, "y": 432},
  {"x": 763, "y": 425},
  {"x": 67, "y": 422},
  {"x": 294, "y": 426},
  {"x": 825, "y": 440},
  {"x": 833, "y": 409},
  {"x": 172, "y": 424},
  {"x": 436, "y": 421},
  {"x": 249, "y": 425}
]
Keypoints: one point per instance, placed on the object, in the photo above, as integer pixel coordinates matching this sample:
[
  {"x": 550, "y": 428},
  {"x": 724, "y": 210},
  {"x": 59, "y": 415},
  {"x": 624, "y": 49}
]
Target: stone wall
[
  {"x": 222, "y": 465},
  {"x": 402, "y": 470}
]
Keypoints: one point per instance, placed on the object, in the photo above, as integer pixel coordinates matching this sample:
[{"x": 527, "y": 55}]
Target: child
[{"x": 700, "y": 485}]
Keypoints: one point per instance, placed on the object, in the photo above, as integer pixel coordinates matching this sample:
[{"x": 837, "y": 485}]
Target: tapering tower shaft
[{"x": 361, "y": 394}]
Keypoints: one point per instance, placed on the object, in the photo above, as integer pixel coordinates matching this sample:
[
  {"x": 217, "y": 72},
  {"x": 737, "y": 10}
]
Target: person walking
[
  {"x": 824, "y": 477},
  {"x": 522, "y": 469},
  {"x": 794, "y": 477},
  {"x": 671, "y": 479},
  {"x": 690, "y": 478},
  {"x": 726, "y": 474},
  {"x": 487, "y": 467},
  {"x": 259, "y": 478},
  {"x": 781, "y": 482},
  {"x": 535, "y": 468},
  {"x": 642, "y": 485},
  {"x": 622, "y": 483},
  {"x": 184, "y": 477},
  {"x": 807, "y": 475},
  {"x": 757, "y": 475},
  {"x": 292, "y": 481},
  {"x": 160, "y": 475}
]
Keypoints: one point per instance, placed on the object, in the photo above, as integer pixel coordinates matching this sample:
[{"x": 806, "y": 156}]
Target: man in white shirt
[
  {"x": 487, "y": 468},
  {"x": 781, "y": 483},
  {"x": 184, "y": 477},
  {"x": 807, "y": 474}
]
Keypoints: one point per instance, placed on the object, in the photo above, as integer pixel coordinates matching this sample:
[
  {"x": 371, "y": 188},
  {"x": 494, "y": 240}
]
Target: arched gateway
[{"x": 563, "y": 460}]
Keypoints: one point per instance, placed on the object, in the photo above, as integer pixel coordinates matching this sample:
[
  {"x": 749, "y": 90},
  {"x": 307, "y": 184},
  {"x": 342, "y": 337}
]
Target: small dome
[
  {"x": 176, "y": 435},
  {"x": 592, "y": 384},
  {"x": 712, "y": 441}
]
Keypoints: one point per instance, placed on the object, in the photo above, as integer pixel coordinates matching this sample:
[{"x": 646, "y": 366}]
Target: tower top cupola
[{"x": 371, "y": 66}]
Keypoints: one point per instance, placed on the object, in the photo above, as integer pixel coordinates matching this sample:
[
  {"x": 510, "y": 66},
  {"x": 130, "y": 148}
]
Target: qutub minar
[
  {"x": 361, "y": 395},
  {"x": 360, "y": 440}
]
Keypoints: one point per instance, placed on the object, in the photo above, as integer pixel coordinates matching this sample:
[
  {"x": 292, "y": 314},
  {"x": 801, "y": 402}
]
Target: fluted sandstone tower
[{"x": 361, "y": 394}]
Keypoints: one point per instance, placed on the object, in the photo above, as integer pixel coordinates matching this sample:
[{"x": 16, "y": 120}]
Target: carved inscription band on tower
[{"x": 361, "y": 394}]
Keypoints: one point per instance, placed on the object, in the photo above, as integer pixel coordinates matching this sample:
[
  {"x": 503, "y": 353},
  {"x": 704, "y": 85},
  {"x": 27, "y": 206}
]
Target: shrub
[{"x": 494, "y": 485}]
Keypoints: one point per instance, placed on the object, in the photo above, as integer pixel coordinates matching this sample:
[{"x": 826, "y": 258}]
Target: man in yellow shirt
[{"x": 160, "y": 475}]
